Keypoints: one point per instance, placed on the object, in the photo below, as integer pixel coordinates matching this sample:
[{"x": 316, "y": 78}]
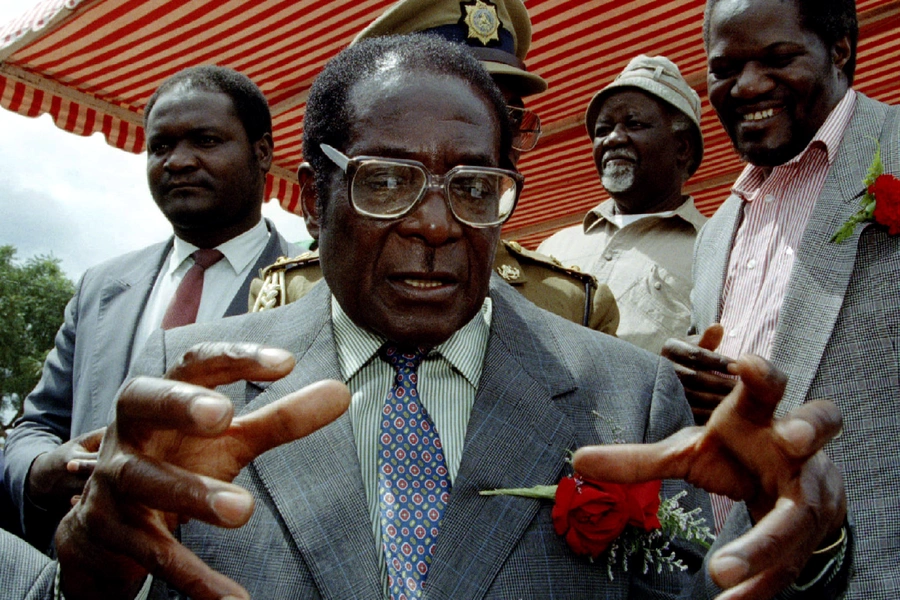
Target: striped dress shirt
[
  {"x": 448, "y": 379},
  {"x": 777, "y": 210}
]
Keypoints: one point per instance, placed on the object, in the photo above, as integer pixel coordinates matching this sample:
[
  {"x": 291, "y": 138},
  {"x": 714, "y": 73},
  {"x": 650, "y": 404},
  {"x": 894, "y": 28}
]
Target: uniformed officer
[{"x": 499, "y": 34}]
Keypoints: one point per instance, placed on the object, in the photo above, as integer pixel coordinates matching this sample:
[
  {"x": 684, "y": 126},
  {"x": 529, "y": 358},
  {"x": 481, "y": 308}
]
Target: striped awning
[{"x": 92, "y": 65}]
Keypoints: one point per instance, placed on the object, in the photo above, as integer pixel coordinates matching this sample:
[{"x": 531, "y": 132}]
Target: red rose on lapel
[
  {"x": 591, "y": 514},
  {"x": 886, "y": 191}
]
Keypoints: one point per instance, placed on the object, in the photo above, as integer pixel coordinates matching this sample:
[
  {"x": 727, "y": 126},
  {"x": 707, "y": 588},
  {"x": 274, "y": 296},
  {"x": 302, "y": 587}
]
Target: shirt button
[
  {"x": 657, "y": 285},
  {"x": 608, "y": 256},
  {"x": 751, "y": 263},
  {"x": 769, "y": 198},
  {"x": 789, "y": 251},
  {"x": 733, "y": 333}
]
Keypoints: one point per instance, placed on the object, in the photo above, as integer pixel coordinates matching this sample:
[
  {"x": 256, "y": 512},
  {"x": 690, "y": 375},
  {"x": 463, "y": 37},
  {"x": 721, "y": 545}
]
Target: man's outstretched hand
[
  {"x": 795, "y": 494},
  {"x": 170, "y": 456}
]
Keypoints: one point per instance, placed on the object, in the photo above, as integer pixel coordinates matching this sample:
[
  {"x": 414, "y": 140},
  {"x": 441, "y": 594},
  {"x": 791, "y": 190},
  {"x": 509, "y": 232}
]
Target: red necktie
[{"x": 183, "y": 308}]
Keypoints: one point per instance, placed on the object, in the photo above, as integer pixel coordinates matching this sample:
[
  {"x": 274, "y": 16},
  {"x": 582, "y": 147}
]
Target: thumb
[
  {"x": 637, "y": 463},
  {"x": 712, "y": 337},
  {"x": 291, "y": 417}
]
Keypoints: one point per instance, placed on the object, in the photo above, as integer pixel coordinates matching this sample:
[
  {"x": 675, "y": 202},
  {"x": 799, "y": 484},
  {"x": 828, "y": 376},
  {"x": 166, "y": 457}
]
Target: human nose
[
  {"x": 431, "y": 219},
  {"x": 616, "y": 136},
  {"x": 751, "y": 81},
  {"x": 180, "y": 157}
]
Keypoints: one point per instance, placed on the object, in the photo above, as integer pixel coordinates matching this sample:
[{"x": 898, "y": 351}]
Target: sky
[{"x": 77, "y": 198}]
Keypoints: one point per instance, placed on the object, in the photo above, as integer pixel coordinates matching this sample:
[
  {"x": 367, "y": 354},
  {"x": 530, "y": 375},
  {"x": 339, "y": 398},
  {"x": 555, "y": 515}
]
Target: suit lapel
[
  {"x": 275, "y": 248},
  {"x": 315, "y": 482},
  {"x": 122, "y": 301},
  {"x": 516, "y": 437},
  {"x": 822, "y": 269},
  {"x": 711, "y": 268}
]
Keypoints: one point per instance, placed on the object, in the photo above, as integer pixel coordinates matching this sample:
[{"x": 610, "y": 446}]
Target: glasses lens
[
  {"x": 526, "y": 128},
  {"x": 482, "y": 198},
  {"x": 386, "y": 189}
]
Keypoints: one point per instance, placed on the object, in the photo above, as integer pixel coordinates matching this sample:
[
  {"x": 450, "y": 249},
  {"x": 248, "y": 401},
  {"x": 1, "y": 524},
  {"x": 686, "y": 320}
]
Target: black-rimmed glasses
[{"x": 389, "y": 188}]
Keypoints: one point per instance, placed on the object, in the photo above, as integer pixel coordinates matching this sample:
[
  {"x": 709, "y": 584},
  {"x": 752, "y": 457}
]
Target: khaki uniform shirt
[{"x": 646, "y": 264}]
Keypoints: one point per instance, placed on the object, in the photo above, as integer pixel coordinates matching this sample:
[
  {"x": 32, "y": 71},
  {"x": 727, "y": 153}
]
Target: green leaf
[
  {"x": 541, "y": 492},
  {"x": 876, "y": 169}
]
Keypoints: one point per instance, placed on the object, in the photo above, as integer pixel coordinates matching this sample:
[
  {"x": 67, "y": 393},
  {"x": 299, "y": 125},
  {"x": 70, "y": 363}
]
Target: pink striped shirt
[{"x": 776, "y": 213}]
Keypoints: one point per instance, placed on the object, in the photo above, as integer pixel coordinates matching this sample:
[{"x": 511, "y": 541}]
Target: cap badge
[{"x": 482, "y": 19}]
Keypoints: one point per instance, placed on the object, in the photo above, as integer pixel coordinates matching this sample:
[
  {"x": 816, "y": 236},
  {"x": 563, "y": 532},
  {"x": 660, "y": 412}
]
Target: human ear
[
  {"x": 264, "y": 148},
  {"x": 309, "y": 198},
  {"x": 840, "y": 52},
  {"x": 684, "y": 152}
]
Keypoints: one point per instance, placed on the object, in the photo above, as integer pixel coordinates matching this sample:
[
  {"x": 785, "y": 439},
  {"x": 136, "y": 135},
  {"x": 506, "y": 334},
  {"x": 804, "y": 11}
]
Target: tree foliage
[{"x": 33, "y": 297}]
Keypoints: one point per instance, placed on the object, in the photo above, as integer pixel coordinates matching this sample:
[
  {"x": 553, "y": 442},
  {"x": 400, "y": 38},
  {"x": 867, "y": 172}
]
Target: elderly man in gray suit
[
  {"x": 448, "y": 368},
  {"x": 209, "y": 135},
  {"x": 771, "y": 278}
]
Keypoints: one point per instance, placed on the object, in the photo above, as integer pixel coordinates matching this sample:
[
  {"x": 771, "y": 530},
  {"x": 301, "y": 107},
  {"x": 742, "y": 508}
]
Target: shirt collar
[
  {"x": 605, "y": 211},
  {"x": 828, "y": 139},
  {"x": 238, "y": 251},
  {"x": 464, "y": 350}
]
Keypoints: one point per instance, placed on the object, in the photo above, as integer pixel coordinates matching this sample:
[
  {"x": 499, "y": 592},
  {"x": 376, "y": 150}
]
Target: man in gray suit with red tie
[
  {"x": 209, "y": 147},
  {"x": 771, "y": 278},
  {"x": 442, "y": 364}
]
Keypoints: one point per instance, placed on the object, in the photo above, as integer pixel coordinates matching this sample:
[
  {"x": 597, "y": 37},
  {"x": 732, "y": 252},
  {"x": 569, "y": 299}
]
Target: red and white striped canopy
[{"x": 92, "y": 64}]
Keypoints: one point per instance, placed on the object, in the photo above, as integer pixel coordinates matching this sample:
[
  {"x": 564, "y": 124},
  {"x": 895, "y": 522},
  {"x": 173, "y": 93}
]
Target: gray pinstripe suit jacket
[
  {"x": 311, "y": 537},
  {"x": 92, "y": 354},
  {"x": 838, "y": 337},
  {"x": 543, "y": 382}
]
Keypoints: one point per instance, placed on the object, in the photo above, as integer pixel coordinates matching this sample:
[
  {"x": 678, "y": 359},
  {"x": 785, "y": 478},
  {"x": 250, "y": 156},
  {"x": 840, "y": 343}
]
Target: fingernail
[
  {"x": 231, "y": 507},
  {"x": 273, "y": 357},
  {"x": 728, "y": 571},
  {"x": 798, "y": 433},
  {"x": 209, "y": 411}
]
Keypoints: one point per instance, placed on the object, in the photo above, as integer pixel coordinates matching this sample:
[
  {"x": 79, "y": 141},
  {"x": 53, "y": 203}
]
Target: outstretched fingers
[
  {"x": 290, "y": 418},
  {"x": 171, "y": 489},
  {"x": 216, "y": 363},
  {"x": 687, "y": 454},
  {"x": 123, "y": 555},
  {"x": 147, "y": 405},
  {"x": 772, "y": 554},
  {"x": 808, "y": 428},
  {"x": 760, "y": 390}
]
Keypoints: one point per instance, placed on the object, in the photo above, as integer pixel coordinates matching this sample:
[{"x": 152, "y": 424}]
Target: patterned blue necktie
[{"x": 413, "y": 487}]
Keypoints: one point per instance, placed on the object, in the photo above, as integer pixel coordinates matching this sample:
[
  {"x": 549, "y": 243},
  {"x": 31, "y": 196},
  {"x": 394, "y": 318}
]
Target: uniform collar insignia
[{"x": 482, "y": 20}]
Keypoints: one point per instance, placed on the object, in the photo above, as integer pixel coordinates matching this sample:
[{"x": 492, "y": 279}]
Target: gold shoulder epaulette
[
  {"x": 550, "y": 262},
  {"x": 274, "y": 291}
]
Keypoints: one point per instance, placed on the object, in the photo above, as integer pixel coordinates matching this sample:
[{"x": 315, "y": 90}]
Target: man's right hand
[
  {"x": 703, "y": 372},
  {"x": 57, "y": 476},
  {"x": 170, "y": 456}
]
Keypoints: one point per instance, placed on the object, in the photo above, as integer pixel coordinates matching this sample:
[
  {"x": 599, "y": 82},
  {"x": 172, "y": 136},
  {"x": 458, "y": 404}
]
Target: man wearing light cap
[
  {"x": 645, "y": 128},
  {"x": 498, "y": 34}
]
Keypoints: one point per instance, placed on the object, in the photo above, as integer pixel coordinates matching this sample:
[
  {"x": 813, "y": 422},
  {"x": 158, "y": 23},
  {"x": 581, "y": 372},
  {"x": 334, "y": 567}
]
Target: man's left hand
[{"x": 794, "y": 492}]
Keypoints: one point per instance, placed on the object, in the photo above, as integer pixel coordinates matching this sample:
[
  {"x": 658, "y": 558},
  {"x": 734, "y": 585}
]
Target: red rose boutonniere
[
  {"x": 622, "y": 520},
  {"x": 592, "y": 514},
  {"x": 880, "y": 203}
]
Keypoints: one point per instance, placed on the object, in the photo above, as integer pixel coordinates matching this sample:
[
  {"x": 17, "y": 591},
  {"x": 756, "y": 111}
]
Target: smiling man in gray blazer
[
  {"x": 511, "y": 390},
  {"x": 210, "y": 146},
  {"x": 770, "y": 278}
]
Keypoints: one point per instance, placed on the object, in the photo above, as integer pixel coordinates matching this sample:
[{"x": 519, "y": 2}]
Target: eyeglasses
[
  {"x": 526, "y": 127},
  {"x": 389, "y": 188}
]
